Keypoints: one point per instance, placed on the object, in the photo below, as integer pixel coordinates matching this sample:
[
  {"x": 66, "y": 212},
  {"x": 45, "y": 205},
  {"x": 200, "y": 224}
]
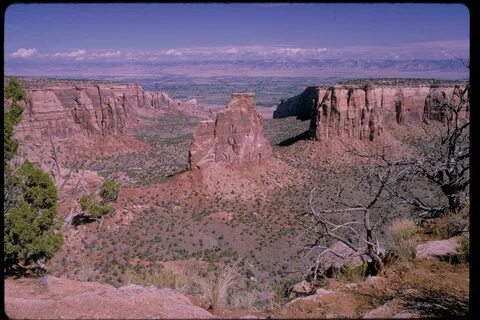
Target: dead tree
[
  {"x": 446, "y": 158},
  {"x": 352, "y": 217},
  {"x": 441, "y": 156}
]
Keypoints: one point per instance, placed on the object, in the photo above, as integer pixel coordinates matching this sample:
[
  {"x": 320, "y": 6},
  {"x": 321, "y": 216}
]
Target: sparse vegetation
[
  {"x": 216, "y": 287},
  {"x": 11, "y": 117},
  {"x": 31, "y": 224},
  {"x": 30, "y": 202},
  {"x": 94, "y": 207},
  {"x": 402, "y": 234},
  {"x": 253, "y": 224}
]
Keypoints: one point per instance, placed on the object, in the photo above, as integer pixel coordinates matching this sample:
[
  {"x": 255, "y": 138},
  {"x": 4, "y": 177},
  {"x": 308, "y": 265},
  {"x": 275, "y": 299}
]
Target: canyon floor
[{"x": 179, "y": 229}]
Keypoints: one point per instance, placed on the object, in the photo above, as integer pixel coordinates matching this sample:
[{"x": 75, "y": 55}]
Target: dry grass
[
  {"x": 402, "y": 232},
  {"x": 245, "y": 300},
  {"x": 215, "y": 288},
  {"x": 155, "y": 276},
  {"x": 453, "y": 224}
]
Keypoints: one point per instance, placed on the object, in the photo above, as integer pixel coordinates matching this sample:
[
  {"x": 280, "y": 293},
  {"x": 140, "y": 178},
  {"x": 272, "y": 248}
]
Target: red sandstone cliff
[
  {"x": 235, "y": 137},
  {"x": 362, "y": 110},
  {"x": 93, "y": 109}
]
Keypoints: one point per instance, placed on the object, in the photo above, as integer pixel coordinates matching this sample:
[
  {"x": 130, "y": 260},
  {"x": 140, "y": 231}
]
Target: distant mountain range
[{"x": 323, "y": 68}]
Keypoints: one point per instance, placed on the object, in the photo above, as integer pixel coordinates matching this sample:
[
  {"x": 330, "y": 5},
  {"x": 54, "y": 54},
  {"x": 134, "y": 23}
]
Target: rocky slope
[
  {"x": 361, "y": 109},
  {"x": 235, "y": 137},
  {"x": 55, "y": 298},
  {"x": 63, "y": 118}
]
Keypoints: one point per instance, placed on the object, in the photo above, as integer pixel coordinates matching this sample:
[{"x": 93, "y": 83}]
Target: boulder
[
  {"x": 56, "y": 298},
  {"x": 333, "y": 261},
  {"x": 438, "y": 249},
  {"x": 302, "y": 288}
]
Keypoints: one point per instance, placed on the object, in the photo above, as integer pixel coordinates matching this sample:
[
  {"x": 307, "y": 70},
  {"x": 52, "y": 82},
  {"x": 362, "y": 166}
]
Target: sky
[{"x": 44, "y": 35}]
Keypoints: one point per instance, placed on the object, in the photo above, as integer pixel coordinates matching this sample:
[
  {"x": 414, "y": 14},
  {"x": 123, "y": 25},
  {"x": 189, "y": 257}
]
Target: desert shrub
[
  {"x": 109, "y": 190},
  {"x": 86, "y": 201},
  {"x": 95, "y": 207},
  {"x": 277, "y": 295},
  {"x": 452, "y": 225},
  {"x": 156, "y": 276},
  {"x": 353, "y": 273},
  {"x": 11, "y": 117},
  {"x": 14, "y": 90},
  {"x": 31, "y": 224},
  {"x": 215, "y": 288},
  {"x": 401, "y": 234},
  {"x": 244, "y": 300},
  {"x": 464, "y": 255},
  {"x": 164, "y": 279},
  {"x": 98, "y": 210}
]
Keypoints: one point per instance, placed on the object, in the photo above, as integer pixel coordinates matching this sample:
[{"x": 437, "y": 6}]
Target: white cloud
[
  {"x": 77, "y": 54},
  {"x": 173, "y": 52},
  {"x": 208, "y": 53},
  {"x": 288, "y": 51},
  {"x": 232, "y": 51},
  {"x": 107, "y": 54},
  {"x": 24, "y": 52}
]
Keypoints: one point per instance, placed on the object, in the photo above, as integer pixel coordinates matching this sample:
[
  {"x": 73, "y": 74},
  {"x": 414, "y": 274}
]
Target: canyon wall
[
  {"x": 235, "y": 137},
  {"x": 92, "y": 109},
  {"x": 361, "y": 110},
  {"x": 350, "y": 112}
]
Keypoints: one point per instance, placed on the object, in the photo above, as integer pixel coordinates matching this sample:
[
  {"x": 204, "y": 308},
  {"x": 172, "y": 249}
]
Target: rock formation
[
  {"x": 301, "y": 106},
  {"x": 360, "y": 110},
  {"x": 348, "y": 112},
  {"x": 92, "y": 109},
  {"x": 436, "y": 100},
  {"x": 235, "y": 137},
  {"x": 63, "y": 118},
  {"x": 59, "y": 298}
]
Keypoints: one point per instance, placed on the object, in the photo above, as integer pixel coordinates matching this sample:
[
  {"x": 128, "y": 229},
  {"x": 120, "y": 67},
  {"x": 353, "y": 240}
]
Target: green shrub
[
  {"x": 109, "y": 190},
  {"x": 14, "y": 90},
  {"x": 97, "y": 208},
  {"x": 353, "y": 273},
  {"x": 11, "y": 117},
  {"x": 31, "y": 225},
  {"x": 86, "y": 201}
]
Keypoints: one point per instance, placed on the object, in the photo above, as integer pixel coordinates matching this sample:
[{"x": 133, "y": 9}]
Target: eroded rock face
[
  {"x": 437, "y": 98},
  {"x": 348, "y": 112},
  {"x": 92, "y": 109},
  {"x": 235, "y": 137},
  {"x": 301, "y": 106}
]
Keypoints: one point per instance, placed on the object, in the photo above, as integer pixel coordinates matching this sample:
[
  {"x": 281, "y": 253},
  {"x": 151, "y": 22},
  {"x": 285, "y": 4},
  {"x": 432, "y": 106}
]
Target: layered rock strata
[
  {"x": 235, "y": 137},
  {"x": 92, "y": 109},
  {"x": 348, "y": 112},
  {"x": 435, "y": 107},
  {"x": 362, "y": 110}
]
